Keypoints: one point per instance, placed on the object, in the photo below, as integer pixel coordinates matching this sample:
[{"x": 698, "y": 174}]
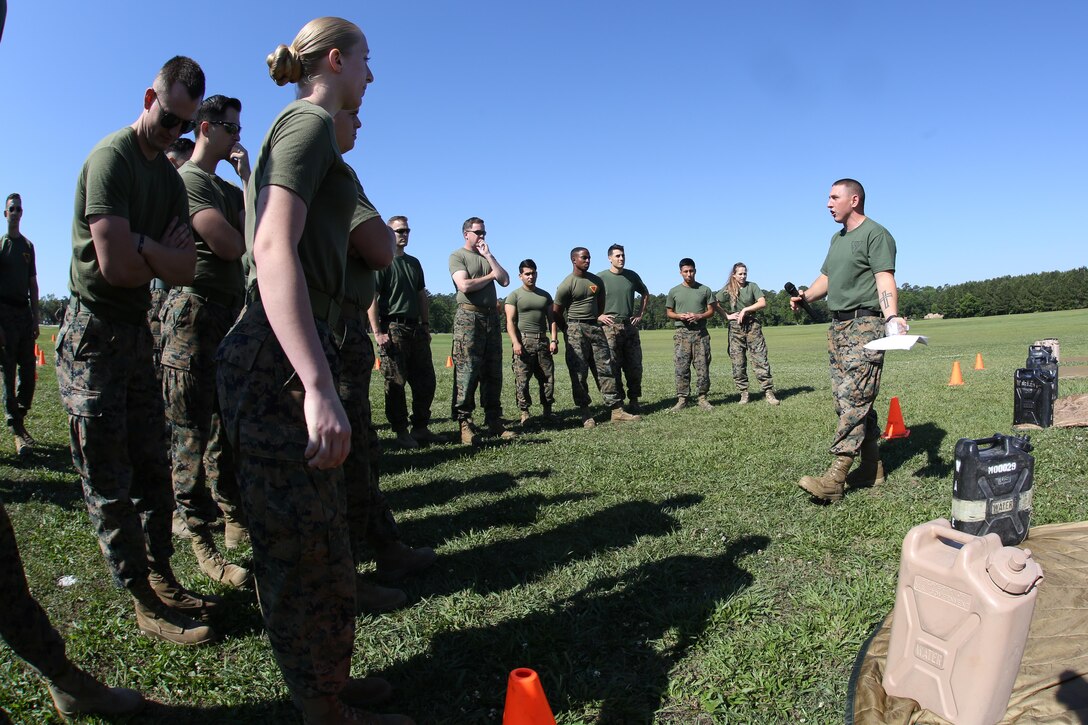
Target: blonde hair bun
[{"x": 284, "y": 65}]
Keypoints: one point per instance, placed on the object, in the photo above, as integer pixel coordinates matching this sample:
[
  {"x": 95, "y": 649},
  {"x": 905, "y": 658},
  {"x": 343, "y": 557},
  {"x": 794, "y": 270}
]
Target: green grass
[{"x": 668, "y": 571}]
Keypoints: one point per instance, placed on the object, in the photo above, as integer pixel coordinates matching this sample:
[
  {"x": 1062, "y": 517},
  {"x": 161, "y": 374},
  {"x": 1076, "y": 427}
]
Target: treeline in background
[{"x": 1039, "y": 292}]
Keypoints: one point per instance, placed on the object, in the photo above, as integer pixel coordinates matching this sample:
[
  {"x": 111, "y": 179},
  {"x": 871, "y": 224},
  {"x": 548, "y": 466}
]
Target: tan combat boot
[
  {"x": 405, "y": 440},
  {"x": 681, "y": 403},
  {"x": 370, "y": 598},
  {"x": 743, "y": 398},
  {"x": 704, "y": 404},
  {"x": 524, "y": 417},
  {"x": 423, "y": 434},
  {"x": 587, "y": 417},
  {"x": 830, "y": 486},
  {"x": 870, "y": 470},
  {"x": 619, "y": 415},
  {"x": 214, "y": 565},
  {"x": 331, "y": 710},
  {"x": 496, "y": 428},
  {"x": 771, "y": 399},
  {"x": 469, "y": 436},
  {"x": 178, "y": 527},
  {"x": 23, "y": 448},
  {"x": 75, "y": 692},
  {"x": 234, "y": 531},
  {"x": 180, "y": 599},
  {"x": 156, "y": 619},
  {"x": 398, "y": 560}
]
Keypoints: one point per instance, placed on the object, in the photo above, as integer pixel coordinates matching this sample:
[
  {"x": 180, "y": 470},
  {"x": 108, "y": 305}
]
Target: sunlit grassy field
[{"x": 667, "y": 571}]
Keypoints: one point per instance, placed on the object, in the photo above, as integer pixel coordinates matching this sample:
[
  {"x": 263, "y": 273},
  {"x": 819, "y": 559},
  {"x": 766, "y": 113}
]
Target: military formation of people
[{"x": 251, "y": 401}]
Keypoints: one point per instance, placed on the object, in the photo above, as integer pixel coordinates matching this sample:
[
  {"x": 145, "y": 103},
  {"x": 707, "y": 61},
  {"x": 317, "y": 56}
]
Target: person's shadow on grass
[
  {"x": 925, "y": 438},
  {"x": 614, "y": 642},
  {"x": 443, "y": 490}
]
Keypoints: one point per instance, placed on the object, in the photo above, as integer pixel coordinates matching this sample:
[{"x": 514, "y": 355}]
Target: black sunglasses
[
  {"x": 169, "y": 120},
  {"x": 13, "y": 209},
  {"x": 481, "y": 234},
  {"x": 229, "y": 127},
  {"x": 403, "y": 230}
]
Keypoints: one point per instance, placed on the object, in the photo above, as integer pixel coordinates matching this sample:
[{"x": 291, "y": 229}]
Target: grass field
[{"x": 668, "y": 571}]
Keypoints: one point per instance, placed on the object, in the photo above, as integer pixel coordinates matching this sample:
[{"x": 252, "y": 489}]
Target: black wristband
[{"x": 140, "y": 245}]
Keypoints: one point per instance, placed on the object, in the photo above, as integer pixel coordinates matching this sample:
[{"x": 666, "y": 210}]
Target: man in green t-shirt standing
[
  {"x": 18, "y": 324},
  {"x": 689, "y": 305},
  {"x": 621, "y": 323},
  {"x": 400, "y": 317},
  {"x": 579, "y": 312},
  {"x": 858, "y": 279},
  {"x": 195, "y": 319},
  {"x": 131, "y": 224},
  {"x": 477, "y": 333},
  {"x": 531, "y": 326}
]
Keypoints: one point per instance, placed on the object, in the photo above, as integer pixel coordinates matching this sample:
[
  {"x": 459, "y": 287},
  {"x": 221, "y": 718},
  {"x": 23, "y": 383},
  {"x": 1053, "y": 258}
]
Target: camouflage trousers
[
  {"x": 408, "y": 360},
  {"x": 855, "y": 381},
  {"x": 297, "y": 514},
  {"x": 158, "y": 298},
  {"x": 370, "y": 520},
  {"x": 477, "y": 362},
  {"x": 535, "y": 361},
  {"x": 586, "y": 352},
  {"x": 118, "y": 436},
  {"x": 745, "y": 339},
  {"x": 203, "y": 461},
  {"x": 626, "y": 349},
  {"x": 691, "y": 348},
  {"x": 17, "y": 361},
  {"x": 24, "y": 624}
]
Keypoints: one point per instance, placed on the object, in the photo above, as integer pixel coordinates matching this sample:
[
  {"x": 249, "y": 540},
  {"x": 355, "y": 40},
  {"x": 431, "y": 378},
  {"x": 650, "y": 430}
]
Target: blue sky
[{"x": 703, "y": 129}]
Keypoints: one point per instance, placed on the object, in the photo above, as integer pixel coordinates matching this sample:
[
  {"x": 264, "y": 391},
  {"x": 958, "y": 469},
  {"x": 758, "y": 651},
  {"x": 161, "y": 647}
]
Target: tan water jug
[{"x": 962, "y": 612}]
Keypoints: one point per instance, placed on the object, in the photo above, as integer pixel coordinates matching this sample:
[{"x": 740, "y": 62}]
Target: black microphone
[{"x": 791, "y": 290}]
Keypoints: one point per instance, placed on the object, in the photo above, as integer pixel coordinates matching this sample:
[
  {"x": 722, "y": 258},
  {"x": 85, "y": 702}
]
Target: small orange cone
[
  {"x": 449, "y": 361},
  {"x": 896, "y": 427},
  {"x": 53, "y": 337},
  {"x": 377, "y": 363},
  {"x": 978, "y": 361},
  {"x": 41, "y": 358},
  {"x": 525, "y": 701},
  {"x": 957, "y": 376},
  {"x": 37, "y": 350}
]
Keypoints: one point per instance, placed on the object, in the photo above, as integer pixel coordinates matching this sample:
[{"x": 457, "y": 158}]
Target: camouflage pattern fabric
[
  {"x": 691, "y": 348},
  {"x": 587, "y": 351},
  {"x": 17, "y": 361},
  {"x": 118, "y": 436},
  {"x": 203, "y": 461},
  {"x": 535, "y": 361},
  {"x": 855, "y": 381},
  {"x": 410, "y": 353},
  {"x": 477, "y": 362},
  {"x": 158, "y": 299},
  {"x": 297, "y": 515},
  {"x": 745, "y": 338},
  {"x": 370, "y": 520},
  {"x": 626, "y": 349},
  {"x": 24, "y": 625}
]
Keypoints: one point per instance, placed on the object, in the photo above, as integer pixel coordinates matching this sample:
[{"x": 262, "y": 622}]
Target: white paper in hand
[{"x": 896, "y": 342}]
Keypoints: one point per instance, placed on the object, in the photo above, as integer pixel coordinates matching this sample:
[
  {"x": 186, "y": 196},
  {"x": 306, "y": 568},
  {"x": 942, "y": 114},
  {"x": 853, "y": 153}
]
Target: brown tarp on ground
[
  {"x": 1052, "y": 686},
  {"x": 1071, "y": 411}
]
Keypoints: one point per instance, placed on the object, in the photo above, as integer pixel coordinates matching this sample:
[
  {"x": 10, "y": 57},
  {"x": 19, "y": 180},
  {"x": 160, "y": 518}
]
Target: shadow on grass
[
  {"x": 281, "y": 711},
  {"x": 610, "y": 646},
  {"x": 506, "y": 564},
  {"x": 755, "y": 395},
  {"x": 925, "y": 438},
  {"x": 518, "y": 510},
  {"x": 23, "y": 480},
  {"x": 444, "y": 490}
]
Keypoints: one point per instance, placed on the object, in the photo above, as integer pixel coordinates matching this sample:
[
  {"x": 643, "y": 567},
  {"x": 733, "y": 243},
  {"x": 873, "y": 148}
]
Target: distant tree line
[{"x": 1039, "y": 292}]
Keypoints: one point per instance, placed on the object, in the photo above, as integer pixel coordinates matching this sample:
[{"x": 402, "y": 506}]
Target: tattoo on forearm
[{"x": 885, "y": 300}]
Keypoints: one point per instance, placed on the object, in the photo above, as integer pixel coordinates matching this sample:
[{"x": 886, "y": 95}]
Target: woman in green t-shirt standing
[
  {"x": 278, "y": 370},
  {"x": 743, "y": 299}
]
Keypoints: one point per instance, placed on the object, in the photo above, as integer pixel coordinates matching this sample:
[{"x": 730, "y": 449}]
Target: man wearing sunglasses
[
  {"x": 18, "y": 324},
  {"x": 195, "y": 319},
  {"x": 131, "y": 225},
  {"x": 477, "y": 333}
]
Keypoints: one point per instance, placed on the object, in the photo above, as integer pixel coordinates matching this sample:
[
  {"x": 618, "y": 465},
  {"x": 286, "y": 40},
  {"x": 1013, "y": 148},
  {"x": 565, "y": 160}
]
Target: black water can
[
  {"x": 991, "y": 487},
  {"x": 1033, "y": 393},
  {"x": 1041, "y": 357}
]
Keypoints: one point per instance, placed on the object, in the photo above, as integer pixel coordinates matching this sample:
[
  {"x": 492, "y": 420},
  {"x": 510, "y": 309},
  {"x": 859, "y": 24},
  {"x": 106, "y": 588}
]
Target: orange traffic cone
[
  {"x": 377, "y": 363},
  {"x": 41, "y": 358},
  {"x": 978, "y": 361},
  {"x": 53, "y": 337},
  {"x": 525, "y": 701},
  {"x": 957, "y": 376},
  {"x": 896, "y": 427},
  {"x": 449, "y": 361},
  {"x": 37, "y": 350}
]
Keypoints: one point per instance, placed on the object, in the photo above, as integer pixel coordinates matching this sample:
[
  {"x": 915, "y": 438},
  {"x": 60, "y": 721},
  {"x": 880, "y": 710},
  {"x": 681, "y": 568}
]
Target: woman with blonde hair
[
  {"x": 278, "y": 371},
  {"x": 738, "y": 303}
]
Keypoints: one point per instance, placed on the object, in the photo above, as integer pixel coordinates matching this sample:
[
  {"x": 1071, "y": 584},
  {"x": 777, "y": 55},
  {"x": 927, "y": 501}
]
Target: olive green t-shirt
[
  {"x": 359, "y": 278},
  {"x": 474, "y": 263},
  {"x": 748, "y": 294},
  {"x": 399, "y": 286},
  {"x": 300, "y": 154},
  {"x": 581, "y": 297},
  {"x": 16, "y": 269},
  {"x": 620, "y": 290},
  {"x": 208, "y": 191},
  {"x": 683, "y": 299},
  {"x": 118, "y": 180},
  {"x": 852, "y": 261},
  {"x": 532, "y": 307}
]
